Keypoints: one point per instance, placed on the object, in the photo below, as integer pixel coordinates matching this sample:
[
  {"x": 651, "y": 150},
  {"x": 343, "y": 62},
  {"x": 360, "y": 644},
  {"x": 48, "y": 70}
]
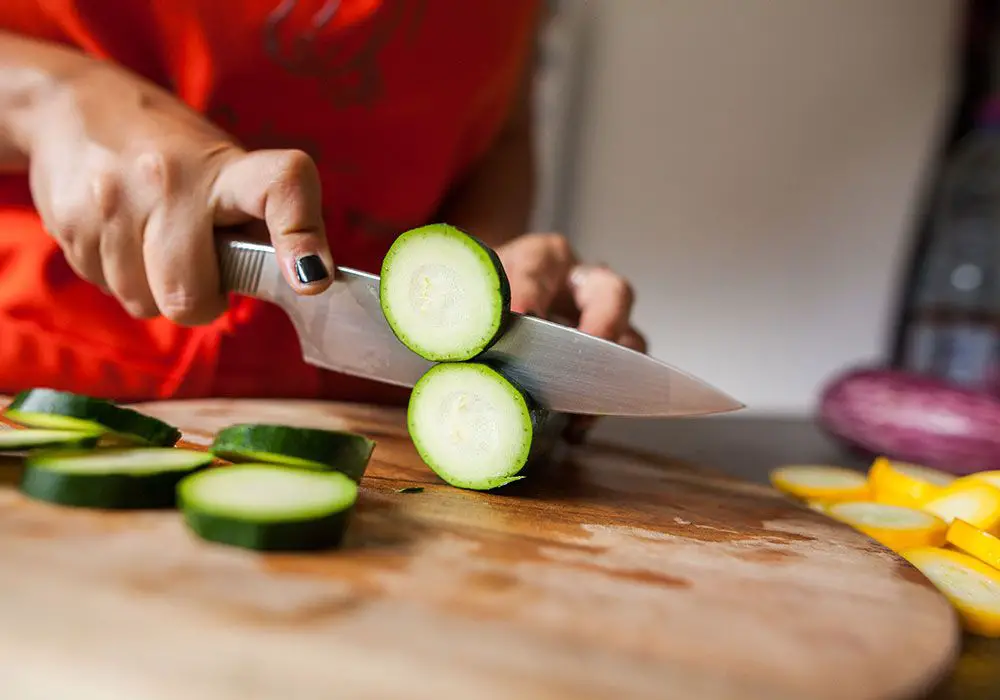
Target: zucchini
[
  {"x": 61, "y": 410},
  {"x": 444, "y": 293},
  {"x": 267, "y": 507},
  {"x": 31, "y": 439},
  {"x": 474, "y": 427},
  {"x": 110, "y": 478},
  {"x": 307, "y": 448}
]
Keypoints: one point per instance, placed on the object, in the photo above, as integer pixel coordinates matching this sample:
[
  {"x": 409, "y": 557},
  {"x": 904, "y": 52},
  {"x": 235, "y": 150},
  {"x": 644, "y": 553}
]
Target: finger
[
  {"x": 124, "y": 270},
  {"x": 605, "y": 301},
  {"x": 180, "y": 263},
  {"x": 543, "y": 263},
  {"x": 632, "y": 338},
  {"x": 281, "y": 188}
]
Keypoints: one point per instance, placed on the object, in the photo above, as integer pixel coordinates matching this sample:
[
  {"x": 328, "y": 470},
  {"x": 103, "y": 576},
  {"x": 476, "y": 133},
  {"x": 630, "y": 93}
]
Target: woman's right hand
[{"x": 131, "y": 183}]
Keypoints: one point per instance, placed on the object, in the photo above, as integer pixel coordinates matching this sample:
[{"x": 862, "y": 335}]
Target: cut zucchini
[
  {"x": 306, "y": 448},
  {"x": 971, "y": 586},
  {"x": 61, "y": 410},
  {"x": 896, "y": 527},
  {"x": 110, "y": 478},
  {"x": 474, "y": 427},
  {"x": 32, "y": 439},
  {"x": 902, "y": 484},
  {"x": 819, "y": 482},
  {"x": 444, "y": 293},
  {"x": 268, "y": 507}
]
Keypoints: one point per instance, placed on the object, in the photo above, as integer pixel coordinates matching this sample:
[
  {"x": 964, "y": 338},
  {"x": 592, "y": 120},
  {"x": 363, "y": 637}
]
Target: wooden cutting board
[{"x": 610, "y": 574}]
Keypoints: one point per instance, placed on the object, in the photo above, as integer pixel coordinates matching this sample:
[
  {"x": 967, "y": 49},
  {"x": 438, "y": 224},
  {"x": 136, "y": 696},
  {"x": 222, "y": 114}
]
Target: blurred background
[{"x": 766, "y": 173}]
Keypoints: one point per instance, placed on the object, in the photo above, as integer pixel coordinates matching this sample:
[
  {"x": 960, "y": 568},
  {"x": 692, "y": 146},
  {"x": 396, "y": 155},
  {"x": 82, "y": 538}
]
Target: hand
[
  {"x": 547, "y": 280},
  {"x": 132, "y": 183}
]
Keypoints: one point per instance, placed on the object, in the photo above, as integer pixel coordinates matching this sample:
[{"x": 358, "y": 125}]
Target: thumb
[{"x": 281, "y": 188}]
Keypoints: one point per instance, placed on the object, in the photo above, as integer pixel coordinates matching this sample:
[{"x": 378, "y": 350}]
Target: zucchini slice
[
  {"x": 117, "y": 478},
  {"x": 267, "y": 507},
  {"x": 474, "y": 427},
  {"x": 61, "y": 410},
  {"x": 307, "y": 448},
  {"x": 444, "y": 293},
  {"x": 31, "y": 439}
]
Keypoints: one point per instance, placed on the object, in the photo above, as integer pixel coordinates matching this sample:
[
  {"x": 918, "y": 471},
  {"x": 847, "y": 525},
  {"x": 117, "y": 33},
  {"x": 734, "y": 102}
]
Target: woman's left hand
[{"x": 548, "y": 281}]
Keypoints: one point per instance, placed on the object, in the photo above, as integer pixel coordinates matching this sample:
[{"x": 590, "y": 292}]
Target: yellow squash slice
[
  {"x": 975, "y": 502},
  {"x": 817, "y": 482},
  {"x": 897, "y": 527},
  {"x": 971, "y": 540},
  {"x": 990, "y": 477},
  {"x": 903, "y": 484},
  {"x": 972, "y": 586}
]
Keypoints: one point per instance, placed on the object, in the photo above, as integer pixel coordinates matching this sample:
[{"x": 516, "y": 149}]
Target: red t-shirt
[{"x": 394, "y": 99}]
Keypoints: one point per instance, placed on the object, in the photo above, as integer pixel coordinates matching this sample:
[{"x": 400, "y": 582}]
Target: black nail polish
[{"x": 310, "y": 268}]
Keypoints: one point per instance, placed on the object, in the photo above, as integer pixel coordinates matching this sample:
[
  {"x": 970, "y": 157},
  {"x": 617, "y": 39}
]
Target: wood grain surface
[{"x": 607, "y": 574}]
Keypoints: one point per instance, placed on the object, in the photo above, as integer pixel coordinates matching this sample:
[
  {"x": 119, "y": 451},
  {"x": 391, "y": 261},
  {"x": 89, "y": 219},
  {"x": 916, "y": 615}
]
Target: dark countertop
[{"x": 748, "y": 447}]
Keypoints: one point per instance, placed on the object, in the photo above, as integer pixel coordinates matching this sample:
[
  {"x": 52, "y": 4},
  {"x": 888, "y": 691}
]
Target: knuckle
[
  {"x": 158, "y": 170},
  {"x": 559, "y": 245},
  {"x": 105, "y": 193},
  {"x": 185, "y": 308},
  {"x": 295, "y": 166}
]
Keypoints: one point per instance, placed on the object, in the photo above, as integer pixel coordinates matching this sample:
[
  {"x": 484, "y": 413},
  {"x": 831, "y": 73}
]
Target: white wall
[{"x": 753, "y": 166}]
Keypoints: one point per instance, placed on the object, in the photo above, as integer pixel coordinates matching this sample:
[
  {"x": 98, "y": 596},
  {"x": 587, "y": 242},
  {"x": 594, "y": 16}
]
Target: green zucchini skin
[
  {"x": 268, "y": 507},
  {"x": 502, "y": 291},
  {"x": 139, "y": 490},
  {"x": 545, "y": 428},
  {"x": 307, "y": 448},
  {"x": 23, "y": 439},
  {"x": 37, "y": 407},
  {"x": 290, "y": 536}
]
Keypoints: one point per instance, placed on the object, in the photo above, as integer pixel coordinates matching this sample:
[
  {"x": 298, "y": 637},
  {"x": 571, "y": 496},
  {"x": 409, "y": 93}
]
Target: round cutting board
[{"x": 607, "y": 573}]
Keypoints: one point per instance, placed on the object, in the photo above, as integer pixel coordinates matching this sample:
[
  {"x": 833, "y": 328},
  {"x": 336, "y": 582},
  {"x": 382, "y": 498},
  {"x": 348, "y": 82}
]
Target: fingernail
[{"x": 310, "y": 269}]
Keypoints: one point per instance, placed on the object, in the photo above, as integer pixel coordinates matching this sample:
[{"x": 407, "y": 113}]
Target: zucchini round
[
  {"x": 306, "y": 448},
  {"x": 267, "y": 507},
  {"x": 444, "y": 293},
  {"x": 474, "y": 427},
  {"x": 118, "y": 478},
  {"x": 61, "y": 410},
  {"x": 31, "y": 439}
]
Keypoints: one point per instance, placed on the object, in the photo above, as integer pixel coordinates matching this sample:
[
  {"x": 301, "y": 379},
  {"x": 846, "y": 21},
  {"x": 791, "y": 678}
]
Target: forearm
[
  {"x": 29, "y": 69},
  {"x": 494, "y": 202}
]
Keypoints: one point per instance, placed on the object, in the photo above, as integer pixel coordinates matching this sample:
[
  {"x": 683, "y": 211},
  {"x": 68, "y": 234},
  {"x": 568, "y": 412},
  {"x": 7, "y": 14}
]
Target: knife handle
[{"x": 246, "y": 268}]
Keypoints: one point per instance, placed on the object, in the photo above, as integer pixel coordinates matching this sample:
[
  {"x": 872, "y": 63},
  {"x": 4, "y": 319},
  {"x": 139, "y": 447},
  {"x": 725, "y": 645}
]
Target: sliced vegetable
[
  {"x": 913, "y": 418},
  {"x": 307, "y": 448},
  {"x": 972, "y": 540},
  {"x": 473, "y": 426},
  {"x": 903, "y": 484},
  {"x": 60, "y": 410},
  {"x": 30, "y": 439},
  {"x": 444, "y": 293},
  {"x": 268, "y": 507},
  {"x": 972, "y": 586},
  {"x": 975, "y": 502},
  {"x": 896, "y": 527},
  {"x": 110, "y": 478},
  {"x": 819, "y": 482},
  {"x": 990, "y": 477}
]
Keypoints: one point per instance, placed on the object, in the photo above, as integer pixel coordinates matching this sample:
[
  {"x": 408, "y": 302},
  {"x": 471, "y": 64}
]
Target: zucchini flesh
[
  {"x": 444, "y": 293},
  {"x": 119, "y": 478},
  {"x": 473, "y": 426},
  {"x": 268, "y": 507},
  {"x": 306, "y": 448},
  {"x": 30, "y": 439},
  {"x": 61, "y": 410}
]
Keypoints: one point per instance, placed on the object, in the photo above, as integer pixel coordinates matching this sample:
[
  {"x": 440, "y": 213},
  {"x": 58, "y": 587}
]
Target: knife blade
[{"x": 344, "y": 330}]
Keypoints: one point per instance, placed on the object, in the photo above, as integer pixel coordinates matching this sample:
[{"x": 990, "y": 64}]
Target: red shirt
[{"x": 394, "y": 99}]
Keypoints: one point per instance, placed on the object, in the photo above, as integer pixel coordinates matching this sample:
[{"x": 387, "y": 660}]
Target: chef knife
[{"x": 343, "y": 329}]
